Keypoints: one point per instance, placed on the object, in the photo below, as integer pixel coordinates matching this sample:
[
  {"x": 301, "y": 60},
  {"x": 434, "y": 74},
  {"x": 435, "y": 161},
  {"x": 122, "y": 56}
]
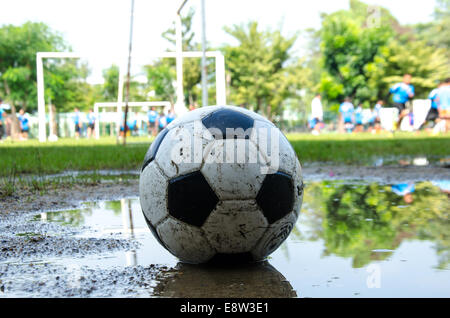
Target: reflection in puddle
[
  {"x": 346, "y": 232},
  {"x": 411, "y": 161},
  {"x": 250, "y": 281}
]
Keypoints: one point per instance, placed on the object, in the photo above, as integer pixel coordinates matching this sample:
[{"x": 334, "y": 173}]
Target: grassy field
[{"x": 32, "y": 157}]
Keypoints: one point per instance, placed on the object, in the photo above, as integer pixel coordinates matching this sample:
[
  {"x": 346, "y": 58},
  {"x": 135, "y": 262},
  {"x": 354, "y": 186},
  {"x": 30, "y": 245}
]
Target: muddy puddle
[
  {"x": 409, "y": 161},
  {"x": 353, "y": 239}
]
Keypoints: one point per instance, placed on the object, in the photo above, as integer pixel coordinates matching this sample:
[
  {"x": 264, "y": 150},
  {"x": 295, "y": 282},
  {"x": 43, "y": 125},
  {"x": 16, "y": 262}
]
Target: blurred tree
[
  {"x": 161, "y": 76},
  {"x": 426, "y": 63},
  {"x": 350, "y": 42},
  {"x": 65, "y": 84},
  {"x": 365, "y": 50},
  {"x": 263, "y": 73},
  {"x": 111, "y": 84},
  {"x": 64, "y": 79},
  {"x": 437, "y": 32},
  {"x": 355, "y": 219}
]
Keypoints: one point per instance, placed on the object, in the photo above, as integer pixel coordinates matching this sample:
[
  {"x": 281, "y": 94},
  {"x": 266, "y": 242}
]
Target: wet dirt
[
  {"x": 63, "y": 198},
  {"x": 29, "y": 251}
]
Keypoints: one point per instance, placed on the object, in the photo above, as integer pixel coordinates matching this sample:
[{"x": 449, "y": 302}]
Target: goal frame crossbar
[{"x": 40, "y": 56}]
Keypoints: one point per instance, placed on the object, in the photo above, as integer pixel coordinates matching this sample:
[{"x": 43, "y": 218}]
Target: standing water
[{"x": 351, "y": 240}]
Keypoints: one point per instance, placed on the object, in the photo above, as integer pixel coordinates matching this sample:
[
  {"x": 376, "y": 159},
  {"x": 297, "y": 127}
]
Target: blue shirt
[
  {"x": 170, "y": 118},
  {"x": 76, "y": 118},
  {"x": 162, "y": 121},
  {"x": 434, "y": 100},
  {"x": 23, "y": 122},
  {"x": 152, "y": 116},
  {"x": 132, "y": 124},
  {"x": 376, "y": 110},
  {"x": 403, "y": 188},
  {"x": 91, "y": 118},
  {"x": 312, "y": 122},
  {"x": 1, "y": 114},
  {"x": 347, "y": 109},
  {"x": 359, "y": 116},
  {"x": 443, "y": 95},
  {"x": 401, "y": 92}
]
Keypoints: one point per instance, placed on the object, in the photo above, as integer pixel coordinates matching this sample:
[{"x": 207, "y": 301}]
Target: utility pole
[
  {"x": 204, "y": 70},
  {"x": 180, "y": 107},
  {"x": 127, "y": 95}
]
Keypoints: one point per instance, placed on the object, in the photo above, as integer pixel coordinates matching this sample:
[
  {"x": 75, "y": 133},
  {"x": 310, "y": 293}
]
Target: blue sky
[{"x": 99, "y": 29}]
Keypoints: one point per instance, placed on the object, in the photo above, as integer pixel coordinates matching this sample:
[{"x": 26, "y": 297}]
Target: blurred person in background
[
  {"x": 121, "y": 127},
  {"x": 316, "y": 114},
  {"x": 402, "y": 92},
  {"x": 359, "y": 126},
  {"x": 76, "y": 117},
  {"x": 346, "y": 111},
  {"x": 405, "y": 190},
  {"x": 433, "y": 113},
  {"x": 1, "y": 119},
  {"x": 162, "y": 122},
  {"x": 24, "y": 124},
  {"x": 375, "y": 121},
  {"x": 152, "y": 116},
  {"x": 132, "y": 123},
  {"x": 91, "y": 123},
  {"x": 170, "y": 116},
  {"x": 443, "y": 97}
]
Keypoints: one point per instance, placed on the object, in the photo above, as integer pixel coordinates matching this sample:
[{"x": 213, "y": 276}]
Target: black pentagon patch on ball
[
  {"x": 151, "y": 153},
  {"x": 276, "y": 196},
  {"x": 191, "y": 199},
  {"x": 238, "y": 124}
]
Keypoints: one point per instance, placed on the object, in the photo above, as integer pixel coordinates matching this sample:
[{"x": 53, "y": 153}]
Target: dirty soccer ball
[{"x": 223, "y": 184}]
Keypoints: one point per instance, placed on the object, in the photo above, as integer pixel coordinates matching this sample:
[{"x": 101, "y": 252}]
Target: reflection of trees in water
[
  {"x": 70, "y": 217},
  {"x": 77, "y": 217},
  {"x": 354, "y": 219},
  {"x": 114, "y": 206},
  {"x": 249, "y": 281}
]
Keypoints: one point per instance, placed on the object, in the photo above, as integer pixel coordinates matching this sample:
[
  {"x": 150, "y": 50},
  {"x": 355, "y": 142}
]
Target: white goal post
[
  {"x": 97, "y": 106},
  {"x": 221, "y": 97},
  {"x": 220, "y": 81},
  {"x": 40, "y": 86}
]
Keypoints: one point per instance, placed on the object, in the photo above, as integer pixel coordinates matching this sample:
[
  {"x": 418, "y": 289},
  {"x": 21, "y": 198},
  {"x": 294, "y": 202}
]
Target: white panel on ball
[
  {"x": 181, "y": 151},
  {"x": 281, "y": 157},
  {"x": 235, "y": 226},
  {"x": 237, "y": 179},
  {"x": 185, "y": 241},
  {"x": 153, "y": 193}
]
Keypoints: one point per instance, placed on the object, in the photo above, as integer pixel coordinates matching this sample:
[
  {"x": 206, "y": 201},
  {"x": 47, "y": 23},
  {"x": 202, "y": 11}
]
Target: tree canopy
[
  {"x": 364, "y": 50},
  {"x": 262, "y": 70},
  {"x": 357, "y": 53},
  {"x": 64, "y": 79}
]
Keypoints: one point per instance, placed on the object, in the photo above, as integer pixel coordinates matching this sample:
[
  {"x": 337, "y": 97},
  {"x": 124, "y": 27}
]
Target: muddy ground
[
  {"x": 26, "y": 246},
  {"x": 71, "y": 197}
]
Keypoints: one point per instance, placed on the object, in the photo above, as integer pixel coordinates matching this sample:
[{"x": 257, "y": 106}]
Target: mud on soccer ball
[{"x": 221, "y": 183}]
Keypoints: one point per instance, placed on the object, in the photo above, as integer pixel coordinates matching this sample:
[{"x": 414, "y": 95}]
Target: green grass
[
  {"x": 32, "y": 157},
  {"x": 362, "y": 149}
]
